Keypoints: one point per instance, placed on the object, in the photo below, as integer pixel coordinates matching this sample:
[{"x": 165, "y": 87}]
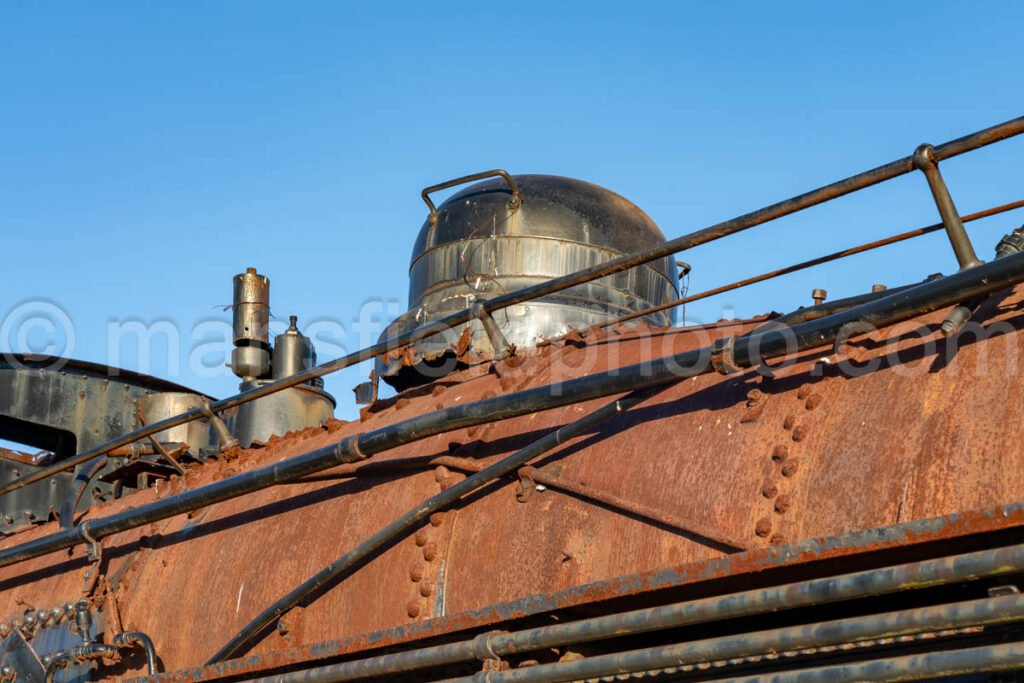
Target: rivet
[
  {"x": 413, "y": 609},
  {"x": 282, "y": 627},
  {"x": 769, "y": 490},
  {"x": 436, "y": 519},
  {"x": 813, "y": 401},
  {"x": 430, "y": 552},
  {"x": 780, "y": 452},
  {"x": 782, "y": 504},
  {"x": 799, "y": 433},
  {"x": 803, "y": 392},
  {"x": 753, "y": 396},
  {"x": 426, "y": 588},
  {"x": 763, "y": 527},
  {"x": 790, "y": 468},
  {"x": 789, "y": 422},
  {"x": 416, "y": 574},
  {"x": 421, "y": 538},
  {"x": 777, "y": 539}
]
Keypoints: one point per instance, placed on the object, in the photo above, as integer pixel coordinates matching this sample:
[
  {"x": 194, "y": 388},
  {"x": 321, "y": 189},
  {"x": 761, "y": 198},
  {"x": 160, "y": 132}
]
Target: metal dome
[{"x": 514, "y": 231}]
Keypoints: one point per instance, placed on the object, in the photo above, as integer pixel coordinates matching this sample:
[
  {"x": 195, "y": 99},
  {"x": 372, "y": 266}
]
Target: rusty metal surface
[
  {"x": 808, "y": 453},
  {"x": 755, "y": 566}
]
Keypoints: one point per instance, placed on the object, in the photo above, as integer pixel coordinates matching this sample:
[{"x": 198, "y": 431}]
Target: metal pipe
[
  {"x": 814, "y": 197},
  {"x": 129, "y": 638},
  {"x": 814, "y": 592},
  {"x": 908, "y": 668},
  {"x": 403, "y": 524},
  {"x": 839, "y": 632},
  {"x": 746, "y": 351},
  {"x": 893, "y": 239},
  {"x": 79, "y": 653}
]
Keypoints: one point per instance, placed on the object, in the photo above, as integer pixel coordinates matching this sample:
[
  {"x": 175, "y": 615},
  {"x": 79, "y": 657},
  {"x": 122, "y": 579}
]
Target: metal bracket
[
  {"x": 224, "y": 438},
  {"x": 527, "y": 485},
  {"x": 722, "y": 359},
  {"x": 502, "y": 348},
  {"x": 92, "y": 573}
]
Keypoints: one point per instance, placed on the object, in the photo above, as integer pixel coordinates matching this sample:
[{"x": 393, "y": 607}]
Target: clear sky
[{"x": 149, "y": 151}]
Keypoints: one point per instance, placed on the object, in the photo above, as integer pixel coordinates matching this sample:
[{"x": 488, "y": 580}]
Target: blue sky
[{"x": 149, "y": 151}]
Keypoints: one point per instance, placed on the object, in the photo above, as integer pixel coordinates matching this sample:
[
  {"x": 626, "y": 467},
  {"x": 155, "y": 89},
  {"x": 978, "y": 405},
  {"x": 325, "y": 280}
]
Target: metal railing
[{"x": 926, "y": 158}]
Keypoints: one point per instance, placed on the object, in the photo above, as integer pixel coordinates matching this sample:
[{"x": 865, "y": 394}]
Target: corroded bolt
[
  {"x": 413, "y": 609},
  {"x": 799, "y": 433},
  {"x": 780, "y": 452},
  {"x": 421, "y": 538},
  {"x": 782, "y": 504},
  {"x": 430, "y": 552},
  {"x": 754, "y": 396},
  {"x": 426, "y": 588},
  {"x": 769, "y": 490},
  {"x": 282, "y": 627},
  {"x": 763, "y": 527},
  {"x": 813, "y": 401},
  {"x": 819, "y": 295},
  {"x": 878, "y": 288},
  {"x": 790, "y": 468},
  {"x": 789, "y": 422}
]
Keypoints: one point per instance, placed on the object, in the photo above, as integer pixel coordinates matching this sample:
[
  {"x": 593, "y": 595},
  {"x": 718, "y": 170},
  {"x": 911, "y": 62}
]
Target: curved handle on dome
[{"x": 513, "y": 205}]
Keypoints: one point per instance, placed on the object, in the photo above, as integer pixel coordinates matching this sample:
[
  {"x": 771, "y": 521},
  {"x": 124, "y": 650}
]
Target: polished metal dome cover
[{"x": 488, "y": 239}]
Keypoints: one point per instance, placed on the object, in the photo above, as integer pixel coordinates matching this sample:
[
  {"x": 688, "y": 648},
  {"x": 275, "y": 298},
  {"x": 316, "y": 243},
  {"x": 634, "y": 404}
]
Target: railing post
[{"x": 924, "y": 161}]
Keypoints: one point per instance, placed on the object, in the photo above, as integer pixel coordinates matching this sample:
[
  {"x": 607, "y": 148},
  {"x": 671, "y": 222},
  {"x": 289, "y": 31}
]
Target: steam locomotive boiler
[{"x": 565, "y": 485}]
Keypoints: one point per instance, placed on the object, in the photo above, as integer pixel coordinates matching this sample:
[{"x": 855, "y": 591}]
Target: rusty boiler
[{"x": 564, "y": 484}]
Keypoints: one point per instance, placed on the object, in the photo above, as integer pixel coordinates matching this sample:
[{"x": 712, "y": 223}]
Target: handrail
[
  {"x": 803, "y": 265},
  {"x": 786, "y": 207}
]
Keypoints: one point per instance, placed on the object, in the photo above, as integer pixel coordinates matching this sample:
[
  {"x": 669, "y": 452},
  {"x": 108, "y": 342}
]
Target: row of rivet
[
  {"x": 34, "y": 620},
  {"x": 427, "y": 549},
  {"x": 785, "y": 465}
]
